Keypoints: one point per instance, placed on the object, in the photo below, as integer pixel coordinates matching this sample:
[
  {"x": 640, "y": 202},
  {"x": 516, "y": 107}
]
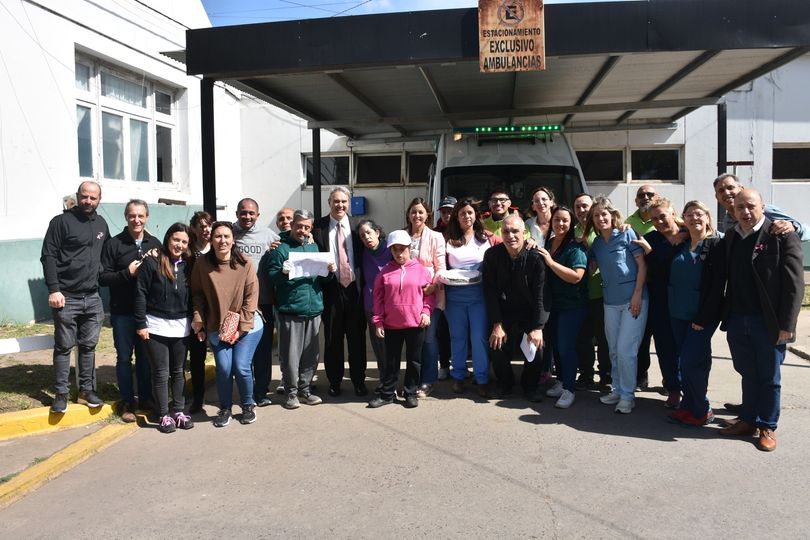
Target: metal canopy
[{"x": 609, "y": 65}]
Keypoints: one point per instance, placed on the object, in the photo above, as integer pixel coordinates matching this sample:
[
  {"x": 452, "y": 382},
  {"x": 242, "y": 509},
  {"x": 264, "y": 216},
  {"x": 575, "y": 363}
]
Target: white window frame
[
  {"x": 100, "y": 104},
  {"x": 789, "y": 146},
  {"x": 628, "y": 156}
]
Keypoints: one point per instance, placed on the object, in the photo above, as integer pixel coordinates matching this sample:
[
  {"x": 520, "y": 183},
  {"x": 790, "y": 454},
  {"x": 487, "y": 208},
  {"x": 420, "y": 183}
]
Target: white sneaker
[
  {"x": 556, "y": 390},
  {"x": 610, "y": 399},
  {"x": 625, "y": 406},
  {"x": 443, "y": 374},
  {"x": 566, "y": 400}
]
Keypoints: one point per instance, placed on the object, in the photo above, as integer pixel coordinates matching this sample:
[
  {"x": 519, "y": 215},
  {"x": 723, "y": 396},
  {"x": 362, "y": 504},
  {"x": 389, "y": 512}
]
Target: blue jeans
[
  {"x": 694, "y": 350},
  {"x": 235, "y": 362},
  {"x": 467, "y": 318},
  {"x": 624, "y": 333},
  {"x": 77, "y": 323},
  {"x": 430, "y": 349},
  {"x": 567, "y": 324},
  {"x": 759, "y": 362},
  {"x": 126, "y": 340}
]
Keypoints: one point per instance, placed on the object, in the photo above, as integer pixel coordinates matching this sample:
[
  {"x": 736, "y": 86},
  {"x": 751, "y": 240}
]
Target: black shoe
[
  {"x": 334, "y": 390},
  {"x": 89, "y": 398},
  {"x": 583, "y": 383},
  {"x": 59, "y": 404},
  {"x": 642, "y": 384},
  {"x": 196, "y": 406},
  {"x": 502, "y": 391},
  {"x": 223, "y": 418},
  {"x": 411, "y": 401},
  {"x": 379, "y": 402},
  {"x": 535, "y": 395},
  {"x": 280, "y": 389},
  {"x": 166, "y": 424},
  {"x": 263, "y": 402},
  {"x": 360, "y": 389},
  {"x": 248, "y": 414},
  {"x": 733, "y": 408}
]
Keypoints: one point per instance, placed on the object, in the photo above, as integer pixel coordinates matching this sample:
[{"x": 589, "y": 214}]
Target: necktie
[{"x": 344, "y": 270}]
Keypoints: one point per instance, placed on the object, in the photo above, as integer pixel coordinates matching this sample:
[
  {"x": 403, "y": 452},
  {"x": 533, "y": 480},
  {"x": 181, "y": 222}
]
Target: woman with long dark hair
[
  {"x": 567, "y": 260},
  {"x": 199, "y": 245},
  {"x": 427, "y": 247},
  {"x": 465, "y": 308},
  {"x": 162, "y": 319},
  {"x": 225, "y": 293}
]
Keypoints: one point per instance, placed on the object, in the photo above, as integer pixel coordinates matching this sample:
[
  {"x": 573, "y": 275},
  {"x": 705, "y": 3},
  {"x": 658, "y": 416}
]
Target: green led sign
[{"x": 506, "y": 130}]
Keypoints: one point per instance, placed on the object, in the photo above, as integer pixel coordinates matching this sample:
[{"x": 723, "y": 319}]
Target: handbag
[{"x": 229, "y": 328}]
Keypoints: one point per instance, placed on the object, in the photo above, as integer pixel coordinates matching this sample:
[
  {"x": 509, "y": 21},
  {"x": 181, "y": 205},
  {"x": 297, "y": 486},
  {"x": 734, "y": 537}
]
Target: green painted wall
[{"x": 23, "y": 295}]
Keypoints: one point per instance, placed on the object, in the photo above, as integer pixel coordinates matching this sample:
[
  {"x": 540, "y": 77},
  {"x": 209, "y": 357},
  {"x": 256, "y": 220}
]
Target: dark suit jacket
[
  {"x": 320, "y": 235},
  {"x": 778, "y": 278}
]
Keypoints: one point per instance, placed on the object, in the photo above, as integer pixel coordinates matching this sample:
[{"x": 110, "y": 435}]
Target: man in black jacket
[
  {"x": 760, "y": 320},
  {"x": 71, "y": 255},
  {"x": 517, "y": 303},
  {"x": 343, "y": 306},
  {"x": 120, "y": 262}
]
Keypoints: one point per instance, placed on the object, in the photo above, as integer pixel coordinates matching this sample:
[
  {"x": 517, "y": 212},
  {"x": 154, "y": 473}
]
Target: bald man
[
  {"x": 760, "y": 320},
  {"x": 71, "y": 263}
]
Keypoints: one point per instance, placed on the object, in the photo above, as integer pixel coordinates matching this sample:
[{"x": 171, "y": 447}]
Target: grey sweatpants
[{"x": 298, "y": 350}]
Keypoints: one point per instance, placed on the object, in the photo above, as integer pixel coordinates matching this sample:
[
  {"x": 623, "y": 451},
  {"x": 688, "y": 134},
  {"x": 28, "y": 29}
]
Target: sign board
[{"x": 511, "y": 35}]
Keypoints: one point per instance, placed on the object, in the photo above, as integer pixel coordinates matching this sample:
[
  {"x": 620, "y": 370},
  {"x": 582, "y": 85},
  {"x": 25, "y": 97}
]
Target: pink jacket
[
  {"x": 398, "y": 299},
  {"x": 432, "y": 256}
]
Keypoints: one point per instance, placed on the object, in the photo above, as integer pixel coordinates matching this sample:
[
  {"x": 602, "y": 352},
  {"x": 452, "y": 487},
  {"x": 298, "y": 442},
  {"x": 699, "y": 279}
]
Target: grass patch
[
  {"x": 6, "y": 478},
  {"x": 24, "y": 386},
  {"x": 24, "y": 330}
]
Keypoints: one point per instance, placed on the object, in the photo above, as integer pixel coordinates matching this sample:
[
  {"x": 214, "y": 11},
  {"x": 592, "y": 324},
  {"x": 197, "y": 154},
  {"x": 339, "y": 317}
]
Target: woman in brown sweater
[{"x": 223, "y": 281}]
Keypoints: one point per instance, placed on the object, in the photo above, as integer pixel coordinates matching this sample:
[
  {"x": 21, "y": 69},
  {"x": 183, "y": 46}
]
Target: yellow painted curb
[
  {"x": 41, "y": 420},
  {"x": 62, "y": 461},
  {"x": 210, "y": 375}
]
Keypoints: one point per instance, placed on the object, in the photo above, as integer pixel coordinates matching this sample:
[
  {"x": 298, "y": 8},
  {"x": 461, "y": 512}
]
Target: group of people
[{"x": 565, "y": 289}]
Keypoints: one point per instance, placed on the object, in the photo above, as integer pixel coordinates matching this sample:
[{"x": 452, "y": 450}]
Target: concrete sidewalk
[
  {"x": 802, "y": 345},
  {"x": 454, "y": 467}
]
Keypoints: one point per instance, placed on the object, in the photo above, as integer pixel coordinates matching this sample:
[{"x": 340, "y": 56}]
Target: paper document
[
  {"x": 528, "y": 348},
  {"x": 310, "y": 264}
]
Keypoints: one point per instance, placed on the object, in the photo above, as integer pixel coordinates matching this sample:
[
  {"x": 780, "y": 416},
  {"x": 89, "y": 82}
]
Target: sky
[{"x": 230, "y": 12}]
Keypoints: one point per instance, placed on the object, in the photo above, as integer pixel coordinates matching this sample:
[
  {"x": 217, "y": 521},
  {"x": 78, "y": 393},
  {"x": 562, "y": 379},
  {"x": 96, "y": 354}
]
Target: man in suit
[
  {"x": 760, "y": 320},
  {"x": 343, "y": 314}
]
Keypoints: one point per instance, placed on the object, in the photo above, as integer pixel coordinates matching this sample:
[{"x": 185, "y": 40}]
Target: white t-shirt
[{"x": 467, "y": 257}]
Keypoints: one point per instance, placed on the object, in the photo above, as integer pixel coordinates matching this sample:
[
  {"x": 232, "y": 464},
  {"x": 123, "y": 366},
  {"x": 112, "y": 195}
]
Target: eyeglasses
[
  {"x": 645, "y": 195},
  {"x": 697, "y": 214},
  {"x": 499, "y": 200}
]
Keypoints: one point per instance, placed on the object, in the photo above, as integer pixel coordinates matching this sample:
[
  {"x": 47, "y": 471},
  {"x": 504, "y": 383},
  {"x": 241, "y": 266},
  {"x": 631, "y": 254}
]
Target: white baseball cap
[{"x": 400, "y": 237}]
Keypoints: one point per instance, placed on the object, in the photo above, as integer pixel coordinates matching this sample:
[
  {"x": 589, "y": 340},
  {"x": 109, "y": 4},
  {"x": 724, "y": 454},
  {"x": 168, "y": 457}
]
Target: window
[
  {"x": 791, "y": 163},
  {"x": 124, "y": 124},
  {"x": 602, "y": 165},
  {"x": 655, "y": 164},
  {"x": 375, "y": 169},
  {"x": 84, "y": 134},
  {"x": 334, "y": 170},
  {"x": 419, "y": 168}
]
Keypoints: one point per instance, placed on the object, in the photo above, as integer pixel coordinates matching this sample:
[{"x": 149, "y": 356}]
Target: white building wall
[{"x": 39, "y": 42}]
